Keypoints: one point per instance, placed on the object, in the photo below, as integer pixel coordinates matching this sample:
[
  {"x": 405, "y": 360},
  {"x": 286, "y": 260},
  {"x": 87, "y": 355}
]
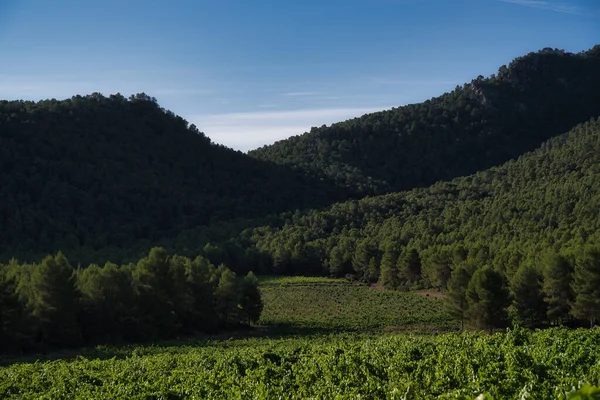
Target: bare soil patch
[{"x": 431, "y": 293}]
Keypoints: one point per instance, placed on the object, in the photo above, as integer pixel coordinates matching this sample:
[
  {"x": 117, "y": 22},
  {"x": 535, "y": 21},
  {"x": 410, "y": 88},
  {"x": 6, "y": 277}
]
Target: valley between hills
[{"x": 444, "y": 249}]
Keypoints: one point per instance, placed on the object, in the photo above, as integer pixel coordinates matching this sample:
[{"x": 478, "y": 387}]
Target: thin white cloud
[
  {"x": 178, "y": 92},
  {"x": 294, "y": 94},
  {"x": 408, "y": 82},
  {"x": 249, "y": 130},
  {"x": 330, "y": 98},
  {"x": 558, "y": 6}
]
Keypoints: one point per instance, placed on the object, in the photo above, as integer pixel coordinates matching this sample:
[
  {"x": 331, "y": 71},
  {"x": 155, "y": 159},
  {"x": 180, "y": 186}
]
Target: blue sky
[{"x": 248, "y": 73}]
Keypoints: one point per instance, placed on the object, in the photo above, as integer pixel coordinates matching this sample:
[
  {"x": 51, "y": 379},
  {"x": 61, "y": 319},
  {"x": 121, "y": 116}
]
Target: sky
[{"x": 248, "y": 73}]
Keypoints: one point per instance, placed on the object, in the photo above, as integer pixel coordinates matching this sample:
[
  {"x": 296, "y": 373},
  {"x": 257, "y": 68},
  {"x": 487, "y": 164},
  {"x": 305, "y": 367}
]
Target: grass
[{"x": 302, "y": 304}]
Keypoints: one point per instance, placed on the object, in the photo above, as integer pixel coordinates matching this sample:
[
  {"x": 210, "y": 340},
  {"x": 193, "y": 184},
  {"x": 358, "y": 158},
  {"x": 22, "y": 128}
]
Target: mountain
[
  {"x": 545, "y": 202},
  {"x": 481, "y": 124},
  {"x": 107, "y": 178},
  {"x": 111, "y": 175}
]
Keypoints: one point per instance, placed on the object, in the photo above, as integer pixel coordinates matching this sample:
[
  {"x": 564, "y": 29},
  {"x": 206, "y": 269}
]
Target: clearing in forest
[{"x": 321, "y": 304}]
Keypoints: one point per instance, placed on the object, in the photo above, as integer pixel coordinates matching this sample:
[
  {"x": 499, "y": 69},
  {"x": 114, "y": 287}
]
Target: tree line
[
  {"x": 51, "y": 305},
  {"x": 562, "y": 290},
  {"x": 477, "y": 125}
]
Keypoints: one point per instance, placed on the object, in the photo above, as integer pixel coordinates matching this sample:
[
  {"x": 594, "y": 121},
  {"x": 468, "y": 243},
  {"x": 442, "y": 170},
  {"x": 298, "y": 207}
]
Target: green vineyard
[
  {"x": 320, "y": 304},
  {"x": 517, "y": 364}
]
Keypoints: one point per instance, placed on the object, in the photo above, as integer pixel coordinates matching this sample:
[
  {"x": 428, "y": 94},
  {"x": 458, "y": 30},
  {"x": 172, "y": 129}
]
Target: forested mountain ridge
[
  {"x": 545, "y": 202},
  {"x": 94, "y": 175},
  {"x": 476, "y": 126},
  {"x": 107, "y": 178}
]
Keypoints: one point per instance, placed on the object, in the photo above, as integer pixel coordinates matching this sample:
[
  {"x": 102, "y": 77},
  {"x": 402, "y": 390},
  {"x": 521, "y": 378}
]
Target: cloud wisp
[
  {"x": 408, "y": 82},
  {"x": 249, "y": 130},
  {"x": 297, "y": 94},
  {"x": 557, "y": 6}
]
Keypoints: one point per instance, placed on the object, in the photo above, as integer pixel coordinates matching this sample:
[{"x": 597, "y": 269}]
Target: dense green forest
[
  {"x": 52, "y": 305},
  {"x": 98, "y": 177},
  {"x": 476, "y": 126},
  {"x": 534, "y": 217},
  {"x": 107, "y": 178}
]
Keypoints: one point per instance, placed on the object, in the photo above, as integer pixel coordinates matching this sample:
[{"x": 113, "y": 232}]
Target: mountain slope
[
  {"x": 110, "y": 174},
  {"x": 476, "y": 126},
  {"x": 545, "y": 201}
]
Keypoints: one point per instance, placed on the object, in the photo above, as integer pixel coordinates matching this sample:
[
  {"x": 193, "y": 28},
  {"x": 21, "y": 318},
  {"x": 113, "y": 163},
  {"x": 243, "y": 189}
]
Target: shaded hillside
[
  {"x": 476, "y": 126},
  {"x": 96, "y": 173},
  {"x": 547, "y": 201}
]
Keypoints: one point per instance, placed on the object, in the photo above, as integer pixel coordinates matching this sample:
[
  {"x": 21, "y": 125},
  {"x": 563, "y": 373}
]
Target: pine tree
[
  {"x": 53, "y": 302},
  {"x": 457, "y": 289},
  {"x": 409, "y": 265},
  {"x": 439, "y": 269},
  {"x": 338, "y": 261},
  {"x": 373, "y": 269},
  {"x": 250, "y": 300},
  {"x": 226, "y": 297},
  {"x": 180, "y": 293},
  {"x": 558, "y": 276},
  {"x": 388, "y": 277},
  {"x": 528, "y": 297},
  {"x": 362, "y": 256},
  {"x": 586, "y": 286},
  {"x": 107, "y": 302},
  {"x": 200, "y": 277},
  {"x": 152, "y": 282},
  {"x": 11, "y": 311},
  {"x": 487, "y": 298}
]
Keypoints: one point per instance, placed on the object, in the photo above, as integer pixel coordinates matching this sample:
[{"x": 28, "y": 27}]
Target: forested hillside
[
  {"x": 545, "y": 201},
  {"x": 106, "y": 178},
  {"x": 97, "y": 177},
  {"x": 476, "y": 126}
]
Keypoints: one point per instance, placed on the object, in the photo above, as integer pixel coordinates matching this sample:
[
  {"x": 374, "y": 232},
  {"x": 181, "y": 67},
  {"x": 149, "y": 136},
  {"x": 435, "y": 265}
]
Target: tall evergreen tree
[
  {"x": 227, "y": 299},
  {"x": 487, "y": 298},
  {"x": 11, "y": 310},
  {"x": 53, "y": 302},
  {"x": 409, "y": 265},
  {"x": 201, "y": 280},
  {"x": 250, "y": 301},
  {"x": 389, "y": 270},
  {"x": 527, "y": 295},
  {"x": 363, "y": 254},
  {"x": 558, "y": 294},
  {"x": 373, "y": 270},
  {"x": 438, "y": 269},
  {"x": 457, "y": 289},
  {"x": 107, "y": 300},
  {"x": 339, "y": 260},
  {"x": 152, "y": 283},
  {"x": 586, "y": 286}
]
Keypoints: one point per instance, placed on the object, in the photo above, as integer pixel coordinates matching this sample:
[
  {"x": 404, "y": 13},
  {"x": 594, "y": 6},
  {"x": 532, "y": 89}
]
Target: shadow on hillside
[{"x": 122, "y": 351}]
